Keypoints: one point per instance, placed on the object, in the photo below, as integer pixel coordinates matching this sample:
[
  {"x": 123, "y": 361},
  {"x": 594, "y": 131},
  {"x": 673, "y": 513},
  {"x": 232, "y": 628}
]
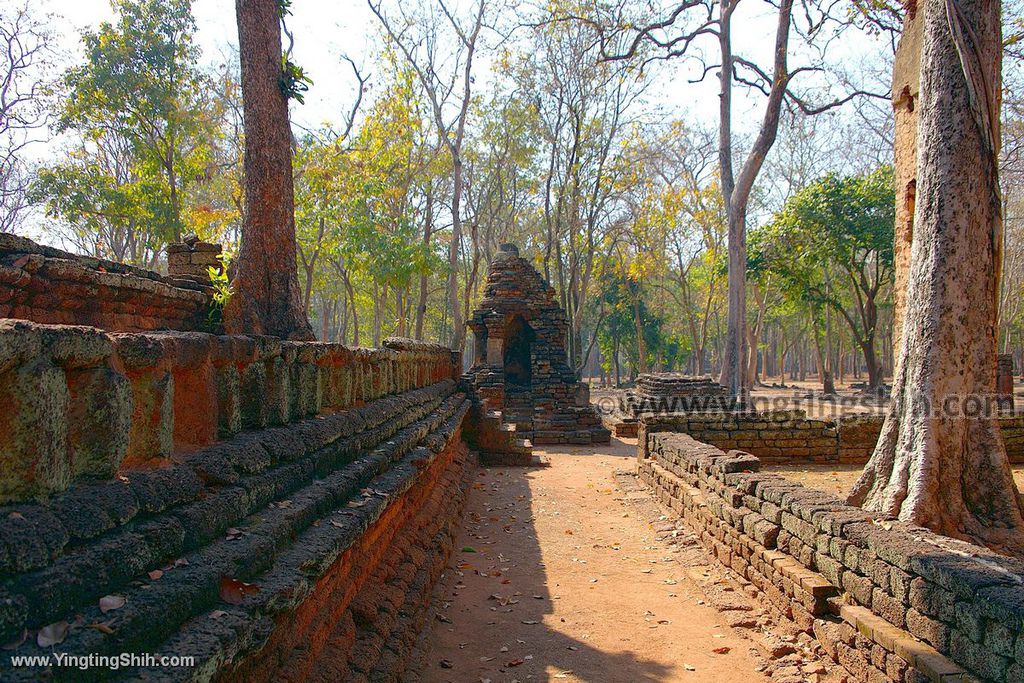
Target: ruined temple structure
[
  {"x": 666, "y": 393},
  {"x": 520, "y": 370}
]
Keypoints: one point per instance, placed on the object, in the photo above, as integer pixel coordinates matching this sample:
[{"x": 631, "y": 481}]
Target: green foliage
[
  {"x": 622, "y": 298},
  {"x": 832, "y": 246},
  {"x": 293, "y": 82},
  {"x": 144, "y": 128},
  {"x": 835, "y": 227},
  {"x": 221, "y": 291}
]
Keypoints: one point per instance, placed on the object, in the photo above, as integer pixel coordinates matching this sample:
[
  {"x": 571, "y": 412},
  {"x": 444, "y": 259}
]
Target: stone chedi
[{"x": 519, "y": 365}]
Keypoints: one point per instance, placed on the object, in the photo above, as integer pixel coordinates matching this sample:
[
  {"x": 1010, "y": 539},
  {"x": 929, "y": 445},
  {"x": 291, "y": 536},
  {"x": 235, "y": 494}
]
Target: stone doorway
[{"x": 517, "y": 359}]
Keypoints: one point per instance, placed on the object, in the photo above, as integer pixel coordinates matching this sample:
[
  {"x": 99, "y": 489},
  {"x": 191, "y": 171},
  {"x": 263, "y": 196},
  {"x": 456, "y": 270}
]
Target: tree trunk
[
  {"x": 936, "y": 467},
  {"x": 265, "y": 291},
  {"x": 428, "y": 228},
  {"x": 458, "y": 328},
  {"x": 641, "y": 346},
  {"x": 906, "y": 73}
]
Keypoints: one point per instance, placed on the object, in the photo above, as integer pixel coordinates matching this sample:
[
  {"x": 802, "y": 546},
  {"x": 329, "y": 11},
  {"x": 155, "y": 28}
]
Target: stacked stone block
[
  {"x": 346, "y": 517},
  {"x": 47, "y": 285},
  {"x": 86, "y": 404},
  {"x": 193, "y": 259},
  {"x": 888, "y": 600},
  {"x": 561, "y": 407}
]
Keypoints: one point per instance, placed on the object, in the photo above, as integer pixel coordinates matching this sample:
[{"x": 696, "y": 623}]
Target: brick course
[
  {"x": 934, "y": 606},
  {"x": 48, "y": 285}
]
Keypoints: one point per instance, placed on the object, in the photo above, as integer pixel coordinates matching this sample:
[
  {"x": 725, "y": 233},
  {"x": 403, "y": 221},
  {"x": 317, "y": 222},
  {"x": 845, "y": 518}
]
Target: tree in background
[
  {"x": 143, "y": 118},
  {"x": 266, "y": 298},
  {"x": 26, "y": 51},
  {"x": 677, "y": 33},
  {"x": 832, "y": 246},
  {"x": 419, "y": 39}
]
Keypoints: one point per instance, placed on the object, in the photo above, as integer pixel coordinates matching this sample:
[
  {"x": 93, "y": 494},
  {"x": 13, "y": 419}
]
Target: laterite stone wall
[
  {"x": 47, "y": 285},
  {"x": 277, "y": 510},
  {"x": 887, "y": 600}
]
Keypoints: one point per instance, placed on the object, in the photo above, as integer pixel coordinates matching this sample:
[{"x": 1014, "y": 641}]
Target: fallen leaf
[
  {"x": 103, "y": 627},
  {"x": 722, "y": 650},
  {"x": 111, "y": 602},
  {"x": 217, "y": 614},
  {"x": 233, "y": 591},
  {"x": 54, "y": 634},
  {"x": 15, "y": 515},
  {"x": 514, "y": 662},
  {"x": 155, "y": 574},
  {"x": 468, "y": 549}
]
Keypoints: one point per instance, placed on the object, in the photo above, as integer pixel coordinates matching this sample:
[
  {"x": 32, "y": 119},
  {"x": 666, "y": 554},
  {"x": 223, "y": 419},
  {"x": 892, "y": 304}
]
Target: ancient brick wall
[
  {"x": 774, "y": 436},
  {"x": 887, "y": 600},
  {"x": 170, "y": 470},
  {"x": 86, "y": 404},
  {"x": 47, "y": 285},
  {"x": 782, "y": 436}
]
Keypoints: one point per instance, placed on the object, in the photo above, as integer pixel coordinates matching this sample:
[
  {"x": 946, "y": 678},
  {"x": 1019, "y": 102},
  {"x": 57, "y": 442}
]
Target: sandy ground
[
  {"x": 839, "y": 479},
  {"x": 563, "y": 575}
]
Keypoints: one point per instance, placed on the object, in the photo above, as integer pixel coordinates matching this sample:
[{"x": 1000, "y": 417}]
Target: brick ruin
[
  {"x": 520, "y": 371},
  {"x": 283, "y": 510},
  {"x": 278, "y": 510},
  {"x": 192, "y": 259},
  {"x": 665, "y": 392},
  {"x": 48, "y": 285},
  {"x": 888, "y": 601}
]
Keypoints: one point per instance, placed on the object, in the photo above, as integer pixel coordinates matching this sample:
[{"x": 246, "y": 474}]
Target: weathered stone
[
  {"x": 152, "y": 426},
  {"x": 34, "y": 437},
  {"x": 99, "y": 421}
]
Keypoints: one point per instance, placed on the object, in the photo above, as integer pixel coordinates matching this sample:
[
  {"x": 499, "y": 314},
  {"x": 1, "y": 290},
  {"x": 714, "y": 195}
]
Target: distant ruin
[{"x": 519, "y": 362}]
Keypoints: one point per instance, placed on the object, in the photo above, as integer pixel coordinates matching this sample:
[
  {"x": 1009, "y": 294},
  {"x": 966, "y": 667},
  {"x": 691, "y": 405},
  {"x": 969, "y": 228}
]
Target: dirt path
[{"x": 570, "y": 582}]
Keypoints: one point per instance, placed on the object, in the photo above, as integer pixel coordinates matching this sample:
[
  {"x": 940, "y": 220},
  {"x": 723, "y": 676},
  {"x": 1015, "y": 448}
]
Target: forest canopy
[{"x": 588, "y": 133}]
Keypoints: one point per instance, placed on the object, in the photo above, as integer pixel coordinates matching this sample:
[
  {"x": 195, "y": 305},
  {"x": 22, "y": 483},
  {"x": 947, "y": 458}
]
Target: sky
[{"x": 324, "y": 30}]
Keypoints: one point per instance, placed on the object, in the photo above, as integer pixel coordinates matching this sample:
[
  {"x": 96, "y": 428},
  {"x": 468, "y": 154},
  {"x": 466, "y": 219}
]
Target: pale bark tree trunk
[
  {"x": 266, "y": 298},
  {"x": 428, "y": 228},
  {"x": 906, "y": 89},
  {"x": 736, "y": 190},
  {"x": 935, "y": 467}
]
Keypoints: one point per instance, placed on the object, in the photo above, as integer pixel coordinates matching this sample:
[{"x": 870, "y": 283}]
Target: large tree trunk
[
  {"x": 932, "y": 465},
  {"x": 266, "y": 298},
  {"x": 458, "y": 327}
]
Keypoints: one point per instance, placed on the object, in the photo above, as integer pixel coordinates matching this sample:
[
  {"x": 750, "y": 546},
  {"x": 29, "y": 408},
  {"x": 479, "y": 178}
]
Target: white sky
[{"x": 326, "y": 29}]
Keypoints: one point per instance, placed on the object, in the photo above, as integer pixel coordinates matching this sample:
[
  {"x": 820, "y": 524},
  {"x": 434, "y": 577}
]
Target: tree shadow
[{"x": 497, "y": 594}]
